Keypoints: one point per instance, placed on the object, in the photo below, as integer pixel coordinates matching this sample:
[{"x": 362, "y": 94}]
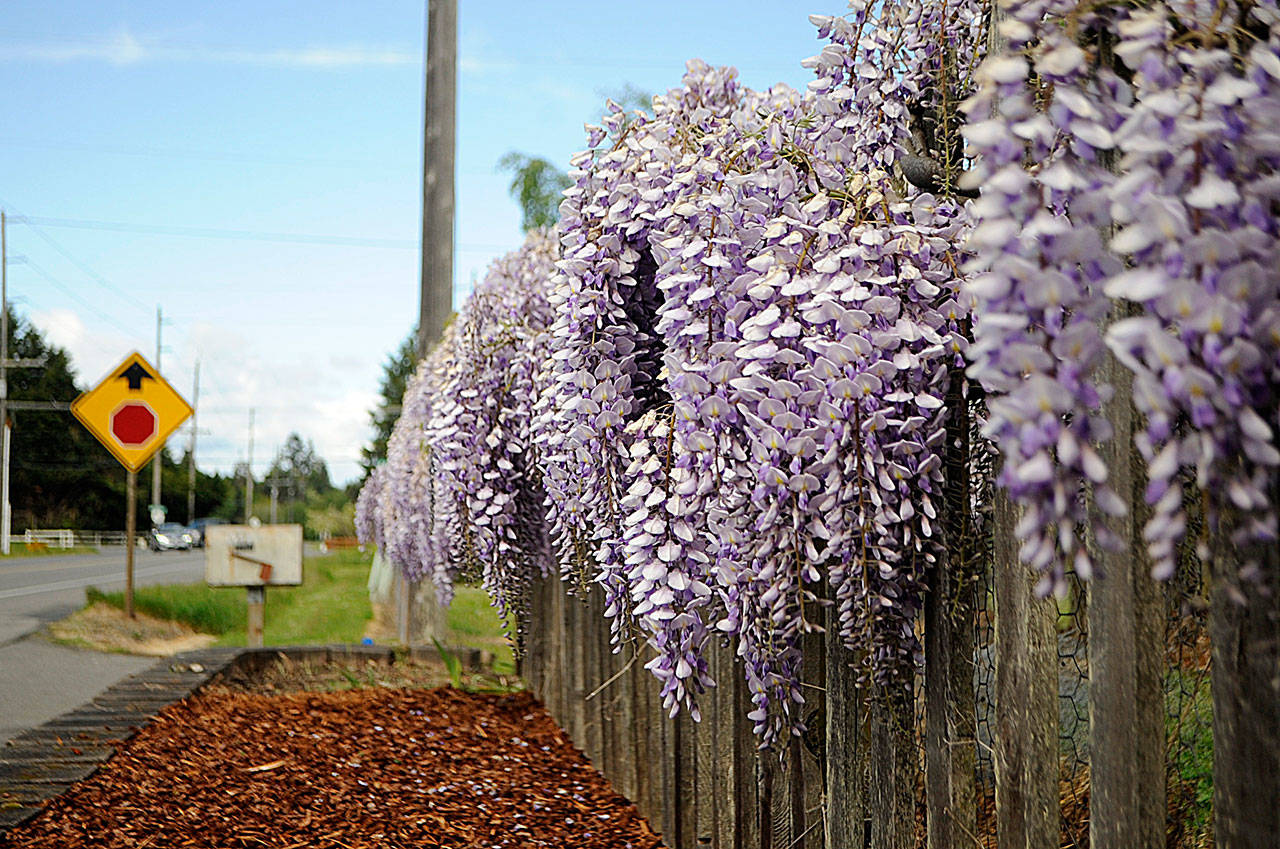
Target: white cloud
[
  {"x": 324, "y": 399},
  {"x": 93, "y": 352},
  {"x": 124, "y": 48}
]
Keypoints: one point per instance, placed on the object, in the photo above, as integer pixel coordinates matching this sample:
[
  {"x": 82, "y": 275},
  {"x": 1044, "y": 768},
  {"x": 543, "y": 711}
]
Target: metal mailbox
[{"x": 245, "y": 556}]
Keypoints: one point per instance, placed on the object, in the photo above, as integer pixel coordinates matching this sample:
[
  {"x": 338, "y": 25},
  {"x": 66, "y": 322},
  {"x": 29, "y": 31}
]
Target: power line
[
  {"x": 72, "y": 293},
  {"x": 93, "y": 275},
  {"x": 219, "y": 233},
  {"x": 211, "y": 155}
]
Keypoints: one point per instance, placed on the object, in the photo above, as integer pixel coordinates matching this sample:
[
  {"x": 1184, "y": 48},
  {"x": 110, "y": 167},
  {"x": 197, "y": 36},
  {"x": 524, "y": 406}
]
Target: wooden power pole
[
  {"x": 158, "y": 462},
  {"x": 191, "y": 450},
  {"x": 417, "y": 612},
  {"x": 439, "y": 128}
]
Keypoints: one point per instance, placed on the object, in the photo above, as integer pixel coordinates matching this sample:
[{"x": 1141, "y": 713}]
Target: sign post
[
  {"x": 132, "y": 411},
  {"x": 130, "y": 528}
]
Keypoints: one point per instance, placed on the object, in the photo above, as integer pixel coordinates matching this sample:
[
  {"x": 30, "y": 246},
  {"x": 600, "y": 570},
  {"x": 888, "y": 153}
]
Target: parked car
[
  {"x": 197, "y": 529},
  {"x": 169, "y": 537}
]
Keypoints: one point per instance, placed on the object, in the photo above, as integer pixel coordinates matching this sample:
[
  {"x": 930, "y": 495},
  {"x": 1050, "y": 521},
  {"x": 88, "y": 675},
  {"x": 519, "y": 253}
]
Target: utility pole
[
  {"x": 6, "y": 363},
  {"x": 5, "y": 514},
  {"x": 436, "y": 294},
  {"x": 159, "y": 460},
  {"x": 439, "y": 129},
  {"x": 274, "y": 483},
  {"x": 191, "y": 450},
  {"x": 248, "y": 474}
]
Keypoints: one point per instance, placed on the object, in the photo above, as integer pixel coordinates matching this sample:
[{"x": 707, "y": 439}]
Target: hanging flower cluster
[
  {"x": 1146, "y": 222},
  {"x": 458, "y": 493},
  {"x": 721, "y": 389},
  {"x": 739, "y": 402}
]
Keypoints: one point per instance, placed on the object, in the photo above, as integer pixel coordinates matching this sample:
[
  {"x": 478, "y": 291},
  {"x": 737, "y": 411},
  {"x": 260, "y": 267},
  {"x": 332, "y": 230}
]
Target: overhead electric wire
[
  {"x": 130, "y": 331},
  {"x": 67, "y": 255},
  {"x": 209, "y": 155},
  {"x": 219, "y": 233},
  {"x": 244, "y": 235}
]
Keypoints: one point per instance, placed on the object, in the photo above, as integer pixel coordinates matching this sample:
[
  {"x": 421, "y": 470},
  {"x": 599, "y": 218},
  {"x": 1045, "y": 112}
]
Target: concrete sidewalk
[{"x": 40, "y": 680}]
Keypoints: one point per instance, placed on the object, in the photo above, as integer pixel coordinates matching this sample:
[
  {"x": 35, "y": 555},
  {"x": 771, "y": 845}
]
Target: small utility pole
[
  {"x": 4, "y": 386},
  {"x": 159, "y": 460},
  {"x": 248, "y": 474},
  {"x": 6, "y": 363},
  {"x": 436, "y": 300},
  {"x": 191, "y": 450}
]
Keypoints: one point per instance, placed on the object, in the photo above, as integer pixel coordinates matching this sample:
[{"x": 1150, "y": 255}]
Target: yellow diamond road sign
[{"x": 132, "y": 411}]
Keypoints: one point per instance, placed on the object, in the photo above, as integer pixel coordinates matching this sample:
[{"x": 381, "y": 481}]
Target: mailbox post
[{"x": 254, "y": 558}]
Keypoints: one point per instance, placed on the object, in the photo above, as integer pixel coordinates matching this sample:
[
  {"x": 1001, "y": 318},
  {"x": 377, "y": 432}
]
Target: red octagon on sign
[{"x": 133, "y": 424}]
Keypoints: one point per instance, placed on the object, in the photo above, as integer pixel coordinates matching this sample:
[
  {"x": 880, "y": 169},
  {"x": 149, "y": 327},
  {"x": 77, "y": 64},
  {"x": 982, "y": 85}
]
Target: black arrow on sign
[{"x": 135, "y": 374}]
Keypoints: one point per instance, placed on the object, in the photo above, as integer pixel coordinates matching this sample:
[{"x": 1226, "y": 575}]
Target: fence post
[
  {"x": 592, "y": 636},
  {"x": 894, "y": 767},
  {"x": 709, "y": 775},
  {"x": 686, "y": 800},
  {"x": 1244, "y": 629},
  {"x": 812, "y": 766},
  {"x": 1125, "y": 617},
  {"x": 950, "y": 753},
  {"x": 747, "y": 767},
  {"x": 846, "y": 753},
  {"x": 1026, "y": 733},
  {"x": 725, "y": 713},
  {"x": 950, "y": 749}
]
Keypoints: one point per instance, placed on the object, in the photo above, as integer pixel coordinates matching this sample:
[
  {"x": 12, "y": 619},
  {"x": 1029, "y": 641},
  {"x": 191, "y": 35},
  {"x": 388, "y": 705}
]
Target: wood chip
[{"x": 362, "y": 768}]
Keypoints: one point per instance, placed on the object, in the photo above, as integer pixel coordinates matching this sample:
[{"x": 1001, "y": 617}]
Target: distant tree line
[{"x": 62, "y": 477}]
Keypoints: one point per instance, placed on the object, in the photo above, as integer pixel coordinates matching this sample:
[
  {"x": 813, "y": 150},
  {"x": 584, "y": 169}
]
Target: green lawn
[
  {"x": 474, "y": 622},
  {"x": 331, "y": 606}
]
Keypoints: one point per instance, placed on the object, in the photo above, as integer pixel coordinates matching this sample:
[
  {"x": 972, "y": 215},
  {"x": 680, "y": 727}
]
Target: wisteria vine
[
  {"x": 721, "y": 388},
  {"x": 1147, "y": 224}
]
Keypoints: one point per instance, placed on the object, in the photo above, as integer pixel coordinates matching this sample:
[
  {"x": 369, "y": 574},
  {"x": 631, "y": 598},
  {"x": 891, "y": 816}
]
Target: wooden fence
[{"x": 1034, "y": 723}]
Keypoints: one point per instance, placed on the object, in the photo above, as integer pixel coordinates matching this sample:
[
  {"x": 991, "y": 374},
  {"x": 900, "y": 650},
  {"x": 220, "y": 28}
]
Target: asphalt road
[
  {"x": 40, "y": 680},
  {"x": 38, "y": 590}
]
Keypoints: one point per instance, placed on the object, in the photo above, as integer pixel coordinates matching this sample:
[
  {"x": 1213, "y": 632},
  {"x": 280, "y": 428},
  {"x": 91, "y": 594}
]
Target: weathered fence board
[
  {"x": 1125, "y": 615},
  {"x": 844, "y": 749},
  {"x": 1026, "y": 751},
  {"x": 1244, "y": 628},
  {"x": 950, "y": 638},
  {"x": 854, "y": 781},
  {"x": 893, "y": 769}
]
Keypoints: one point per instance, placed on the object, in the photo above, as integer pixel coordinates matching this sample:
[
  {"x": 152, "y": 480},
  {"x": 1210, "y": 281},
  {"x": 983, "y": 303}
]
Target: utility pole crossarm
[{"x": 47, "y": 406}]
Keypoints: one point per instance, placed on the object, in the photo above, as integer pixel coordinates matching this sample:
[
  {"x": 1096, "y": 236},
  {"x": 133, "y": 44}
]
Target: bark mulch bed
[{"x": 360, "y": 768}]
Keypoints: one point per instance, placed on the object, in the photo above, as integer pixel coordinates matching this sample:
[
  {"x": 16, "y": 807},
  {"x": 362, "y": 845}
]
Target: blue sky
[{"x": 169, "y": 154}]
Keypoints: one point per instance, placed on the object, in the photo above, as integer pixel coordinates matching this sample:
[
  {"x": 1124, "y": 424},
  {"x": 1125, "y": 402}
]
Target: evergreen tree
[
  {"x": 395, "y": 377},
  {"x": 60, "y": 475}
]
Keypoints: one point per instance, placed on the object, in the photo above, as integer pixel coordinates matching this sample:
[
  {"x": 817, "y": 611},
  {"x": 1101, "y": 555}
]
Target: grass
[
  {"x": 473, "y": 622},
  {"x": 331, "y": 606},
  {"x": 21, "y": 549},
  {"x": 1189, "y": 728}
]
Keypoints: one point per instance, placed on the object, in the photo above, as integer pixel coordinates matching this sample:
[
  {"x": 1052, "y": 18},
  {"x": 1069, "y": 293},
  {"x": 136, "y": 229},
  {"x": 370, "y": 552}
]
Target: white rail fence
[{"x": 66, "y": 538}]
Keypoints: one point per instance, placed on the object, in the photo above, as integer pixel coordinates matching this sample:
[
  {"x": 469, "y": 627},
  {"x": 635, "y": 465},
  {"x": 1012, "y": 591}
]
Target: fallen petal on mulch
[{"x": 363, "y": 768}]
